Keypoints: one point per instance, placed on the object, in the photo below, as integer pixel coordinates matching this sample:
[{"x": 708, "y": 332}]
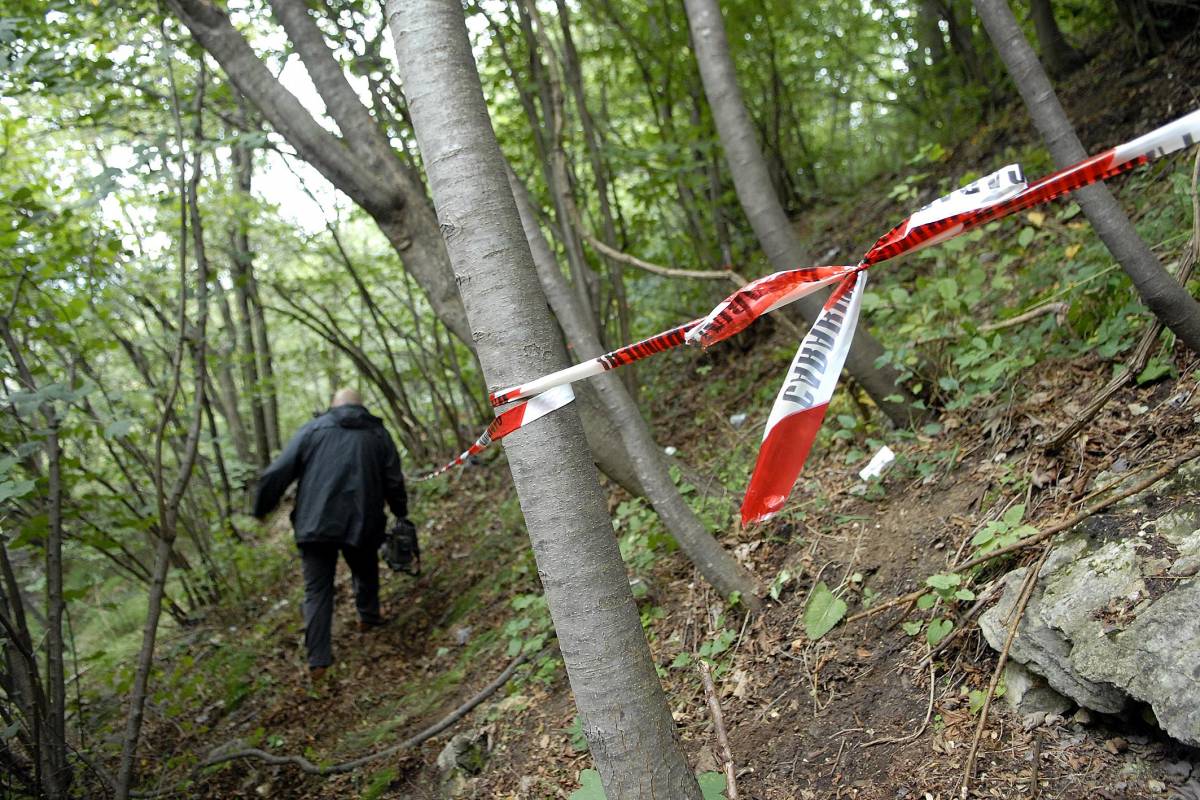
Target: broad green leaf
[
  {"x": 938, "y": 629},
  {"x": 822, "y": 612},
  {"x": 1015, "y": 514},
  {"x": 712, "y": 785},
  {"x": 590, "y": 787},
  {"x": 13, "y": 489},
  {"x": 1157, "y": 368},
  {"x": 926, "y": 601},
  {"x": 912, "y": 628},
  {"x": 944, "y": 581}
]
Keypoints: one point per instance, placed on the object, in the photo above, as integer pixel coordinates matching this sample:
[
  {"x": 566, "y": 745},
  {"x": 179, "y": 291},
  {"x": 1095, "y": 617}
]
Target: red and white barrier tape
[
  {"x": 800, "y": 406},
  {"x": 508, "y": 421}
]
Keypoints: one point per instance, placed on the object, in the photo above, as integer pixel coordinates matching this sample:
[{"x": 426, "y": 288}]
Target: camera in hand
[{"x": 400, "y": 549}]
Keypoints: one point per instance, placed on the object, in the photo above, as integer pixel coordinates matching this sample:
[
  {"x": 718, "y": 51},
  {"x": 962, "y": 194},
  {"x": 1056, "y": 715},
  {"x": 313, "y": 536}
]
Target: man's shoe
[
  {"x": 316, "y": 675},
  {"x": 366, "y": 626}
]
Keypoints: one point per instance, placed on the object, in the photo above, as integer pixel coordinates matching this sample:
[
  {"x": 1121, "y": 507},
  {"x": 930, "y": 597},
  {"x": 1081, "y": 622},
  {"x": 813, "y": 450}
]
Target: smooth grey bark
[
  {"x": 717, "y": 566},
  {"x": 752, "y": 181},
  {"x": 1057, "y": 52},
  {"x": 625, "y": 714},
  {"x": 1164, "y": 296}
]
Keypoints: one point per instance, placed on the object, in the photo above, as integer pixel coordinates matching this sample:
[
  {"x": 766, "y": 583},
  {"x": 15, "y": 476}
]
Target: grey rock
[
  {"x": 1028, "y": 695},
  {"x": 462, "y": 757},
  {"x": 1178, "y": 770},
  {"x": 466, "y": 751},
  {"x": 1113, "y": 615},
  {"x": 1044, "y": 650}
]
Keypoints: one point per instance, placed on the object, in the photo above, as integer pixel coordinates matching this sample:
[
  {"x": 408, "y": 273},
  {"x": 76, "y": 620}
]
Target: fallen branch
[
  {"x": 633, "y": 261},
  {"x": 714, "y": 707},
  {"x": 220, "y": 755},
  {"x": 1033, "y": 313},
  {"x": 1017, "y": 612},
  {"x": 1044, "y": 534}
]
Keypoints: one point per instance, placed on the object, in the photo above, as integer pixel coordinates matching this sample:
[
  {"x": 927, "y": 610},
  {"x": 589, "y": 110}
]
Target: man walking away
[{"x": 347, "y": 466}]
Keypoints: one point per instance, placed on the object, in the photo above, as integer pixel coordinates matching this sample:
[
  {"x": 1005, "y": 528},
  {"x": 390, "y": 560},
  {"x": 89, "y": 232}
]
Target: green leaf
[
  {"x": 13, "y": 489},
  {"x": 983, "y": 537},
  {"x": 119, "y": 428},
  {"x": 682, "y": 660},
  {"x": 965, "y": 594},
  {"x": 1026, "y": 236},
  {"x": 822, "y": 612},
  {"x": 777, "y": 585},
  {"x": 912, "y": 628},
  {"x": 712, "y": 785},
  {"x": 1014, "y": 515},
  {"x": 590, "y": 787},
  {"x": 926, "y": 601},
  {"x": 938, "y": 629},
  {"x": 1157, "y": 368},
  {"x": 943, "y": 582}
]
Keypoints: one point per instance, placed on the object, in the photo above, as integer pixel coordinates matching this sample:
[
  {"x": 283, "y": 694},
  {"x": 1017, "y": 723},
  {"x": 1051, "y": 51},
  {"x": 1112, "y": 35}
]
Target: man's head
[{"x": 346, "y": 397}]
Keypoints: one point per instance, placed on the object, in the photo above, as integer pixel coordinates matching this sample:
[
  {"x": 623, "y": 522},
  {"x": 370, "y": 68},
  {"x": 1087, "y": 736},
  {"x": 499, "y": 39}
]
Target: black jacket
[{"x": 348, "y": 467}]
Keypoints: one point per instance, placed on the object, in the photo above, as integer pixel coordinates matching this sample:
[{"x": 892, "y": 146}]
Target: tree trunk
[
  {"x": 48, "y": 704},
  {"x": 169, "y": 501},
  {"x": 1060, "y": 57},
  {"x": 227, "y": 388},
  {"x": 716, "y": 565},
  {"x": 1169, "y": 301},
  {"x": 625, "y": 714},
  {"x": 763, "y": 209},
  {"x": 239, "y": 242}
]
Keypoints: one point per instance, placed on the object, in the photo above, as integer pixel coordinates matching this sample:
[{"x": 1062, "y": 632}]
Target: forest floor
[{"x": 853, "y": 714}]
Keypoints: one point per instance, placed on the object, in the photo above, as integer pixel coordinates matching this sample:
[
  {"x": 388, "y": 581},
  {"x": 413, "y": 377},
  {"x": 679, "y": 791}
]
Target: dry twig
[
  {"x": 1058, "y": 308},
  {"x": 633, "y": 261},
  {"x": 928, "y": 716},
  {"x": 1017, "y": 612},
  {"x": 714, "y": 708}
]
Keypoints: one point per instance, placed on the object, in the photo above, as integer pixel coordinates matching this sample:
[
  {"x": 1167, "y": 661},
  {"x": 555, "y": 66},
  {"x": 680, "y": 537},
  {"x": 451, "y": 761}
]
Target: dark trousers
[{"x": 320, "y": 565}]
